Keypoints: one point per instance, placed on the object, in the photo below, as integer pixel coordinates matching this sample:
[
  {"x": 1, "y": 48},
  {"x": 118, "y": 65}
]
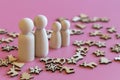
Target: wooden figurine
[
  {"x": 55, "y": 41},
  {"x": 41, "y": 40},
  {"x": 65, "y": 33},
  {"x": 26, "y": 41}
]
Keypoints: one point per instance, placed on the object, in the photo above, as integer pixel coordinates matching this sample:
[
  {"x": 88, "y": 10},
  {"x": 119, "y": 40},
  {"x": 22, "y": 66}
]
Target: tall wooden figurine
[
  {"x": 65, "y": 33},
  {"x": 41, "y": 40},
  {"x": 55, "y": 40},
  {"x": 26, "y": 48}
]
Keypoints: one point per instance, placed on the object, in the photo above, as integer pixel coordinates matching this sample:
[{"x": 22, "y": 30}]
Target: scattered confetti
[
  {"x": 118, "y": 36},
  {"x": 117, "y": 58},
  {"x": 52, "y": 67},
  {"x": 89, "y": 65},
  {"x": 53, "y": 64},
  {"x": 26, "y": 76},
  {"x": 82, "y": 50},
  {"x": 104, "y": 19},
  {"x": 81, "y": 26},
  {"x": 6, "y": 40},
  {"x": 3, "y": 62},
  {"x": 104, "y": 60},
  {"x": 97, "y": 26},
  {"x": 49, "y": 32},
  {"x": 105, "y": 36},
  {"x": 13, "y": 71},
  {"x": 35, "y": 70},
  {"x": 111, "y": 30},
  {"x": 3, "y": 31},
  {"x": 100, "y": 44},
  {"x": 90, "y": 43},
  {"x": 75, "y": 58},
  {"x": 76, "y": 19},
  {"x": 95, "y": 33},
  {"x": 116, "y": 48},
  {"x": 13, "y": 34},
  {"x": 68, "y": 70},
  {"x": 79, "y": 43},
  {"x": 18, "y": 64},
  {"x": 99, "y": 53},
  {"x": 8, "y": 48},
  {"x": 76, "y": 32},
  {"x": 11, "y": 58}
]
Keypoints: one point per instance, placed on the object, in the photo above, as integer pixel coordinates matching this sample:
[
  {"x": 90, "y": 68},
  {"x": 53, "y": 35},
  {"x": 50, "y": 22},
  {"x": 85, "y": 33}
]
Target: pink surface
[{"x": 11, "y": 11}]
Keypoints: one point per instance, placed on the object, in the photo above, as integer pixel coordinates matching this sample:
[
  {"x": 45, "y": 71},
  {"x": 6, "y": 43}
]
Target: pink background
[{"x": 11, "y": 11}]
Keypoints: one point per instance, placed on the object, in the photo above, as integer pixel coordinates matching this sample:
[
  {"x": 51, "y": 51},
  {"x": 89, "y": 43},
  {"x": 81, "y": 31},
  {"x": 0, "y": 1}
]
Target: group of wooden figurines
[{"x": 31, "y": 45}]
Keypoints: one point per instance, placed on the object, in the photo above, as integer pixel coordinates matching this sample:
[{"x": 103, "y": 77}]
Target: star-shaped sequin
[
  {"x": 51, "y": 67},
  {"x": 90, "y": 43},
  {"x": 82, "y": 50},
  {"x": 116, "y": 48},
  {"x": 99, "y": 53},
  {"x": 118, "y": 36},
  {"x": 75, "y": 58},
  {"x": 6, "y": 40},
  {"x": 3, "y": 31},
  {"x": 81, "y": 26},
  {"x": 95, "y": 33},
  {"x": 82, "y": 15},
  {"x": 104, "y": 60},
  {"x": 13, "y": 34},
  {"x": 11, "y": 58},
  {"x": 8, "y": 48},
  {"x": 105, "y": 36},
  {"x": 68, "y": 70},
  {"x": 111, "y": 30},
  {"x": 76, "y": 32},
  {"x": 26, "y": 76},
  {"x": 97, "y": 26},
  {"x": 76, "y": 19},
  {"x": 79, "y": 43},
  {"x": 35, "y": 70},
  {"x": 117, "y": 58},
  {"x": 13, "y": 71},
  {"x": 104, "y": 19},
  {"x": 3, "y": 62},
  {"x": 95, "y": 19},
  {"x": 100, "y": 44},
  {"x": 89, "y": 65}
]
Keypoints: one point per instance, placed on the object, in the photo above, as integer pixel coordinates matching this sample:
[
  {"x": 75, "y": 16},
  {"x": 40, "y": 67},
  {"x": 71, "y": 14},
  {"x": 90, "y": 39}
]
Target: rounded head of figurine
[
  {"x": 26, "y": 25},
  {"x": 56, "y": 26},
  {"x": 65, "y": 24},
  {"x": 40, "y": 21}
]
